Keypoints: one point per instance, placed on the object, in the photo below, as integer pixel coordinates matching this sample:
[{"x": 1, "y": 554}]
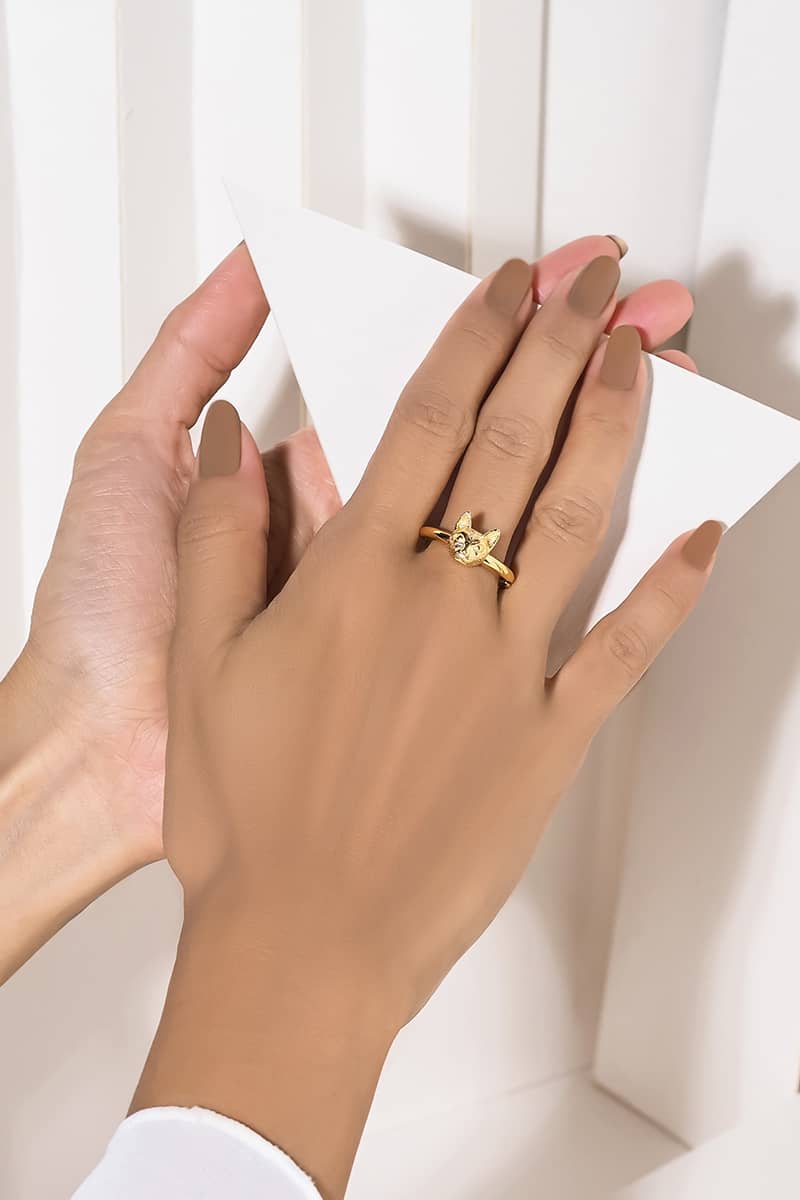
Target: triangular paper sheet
[{"x": 358, "y": 314}]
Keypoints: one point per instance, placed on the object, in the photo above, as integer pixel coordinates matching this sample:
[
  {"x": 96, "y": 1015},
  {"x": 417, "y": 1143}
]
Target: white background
[{"x": 471, "y": 131}]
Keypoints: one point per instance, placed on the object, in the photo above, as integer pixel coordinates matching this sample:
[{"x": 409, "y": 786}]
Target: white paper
[{"x": 358, "y": 314}]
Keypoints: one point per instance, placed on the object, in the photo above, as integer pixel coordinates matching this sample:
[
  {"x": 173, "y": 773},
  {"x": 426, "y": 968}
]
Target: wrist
[
  {"x": 286, "y": 1038},
  {"x": 58, "y": 849}
]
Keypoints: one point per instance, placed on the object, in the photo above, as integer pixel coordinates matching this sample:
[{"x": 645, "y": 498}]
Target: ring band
[{"x": 469, "y": 547}]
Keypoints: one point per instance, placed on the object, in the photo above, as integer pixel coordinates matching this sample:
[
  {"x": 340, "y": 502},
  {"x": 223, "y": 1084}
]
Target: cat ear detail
[
  {"x": 492, "y": 538},
  {"x": 464, "y": 521}
]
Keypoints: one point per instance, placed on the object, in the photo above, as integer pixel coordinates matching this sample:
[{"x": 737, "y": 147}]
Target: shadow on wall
[
  {"x": 436, "y": 239},
  {"x": 713, "y": 755}
]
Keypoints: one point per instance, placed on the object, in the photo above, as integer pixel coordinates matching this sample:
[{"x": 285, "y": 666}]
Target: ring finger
[{"x": 571, "y": 515}]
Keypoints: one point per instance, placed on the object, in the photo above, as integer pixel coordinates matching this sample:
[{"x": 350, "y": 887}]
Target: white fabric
[{"x": 193, "y": 1154}]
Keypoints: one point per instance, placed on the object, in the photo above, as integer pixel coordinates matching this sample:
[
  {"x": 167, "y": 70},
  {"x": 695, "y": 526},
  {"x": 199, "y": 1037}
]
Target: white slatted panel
[{"x": 432, "y": 124}]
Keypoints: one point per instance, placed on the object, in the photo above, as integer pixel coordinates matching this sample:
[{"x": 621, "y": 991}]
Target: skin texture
[
  {"x": 84, "y": 709},
  {"x": 358, "y": 774}
]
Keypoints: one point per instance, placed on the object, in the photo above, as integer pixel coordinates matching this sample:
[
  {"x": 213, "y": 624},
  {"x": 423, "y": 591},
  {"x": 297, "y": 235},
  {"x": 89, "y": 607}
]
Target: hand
[
  {"x": 358, "y": 775},
  {"x": 84, "y": 708}
]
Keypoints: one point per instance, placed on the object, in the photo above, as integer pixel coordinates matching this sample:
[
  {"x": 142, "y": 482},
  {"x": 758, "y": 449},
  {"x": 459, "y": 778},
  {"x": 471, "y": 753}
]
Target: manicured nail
[
  {"x": 623, "y": 245},
  {"x": 594, "y": 287},
  {"x": 621, "y": 358},
  {"x": 509, "y": 287},
  {"x": 221, "y": 441},
  {"x": 701, "y": 547}
]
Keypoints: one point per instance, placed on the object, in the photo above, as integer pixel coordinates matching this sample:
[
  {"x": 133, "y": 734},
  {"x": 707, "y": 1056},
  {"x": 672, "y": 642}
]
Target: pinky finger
[{"x": 614, "y": 655}]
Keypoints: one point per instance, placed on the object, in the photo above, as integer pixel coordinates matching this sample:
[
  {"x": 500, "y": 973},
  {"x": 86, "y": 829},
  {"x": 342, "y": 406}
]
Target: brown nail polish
[
  {"x": 594, "y": 287},
  {"x": 623, "y": 245},
  {"x": 701, "y": 547},
  {"x": 509, "y": 287},
  {"x": 221, "y": 442},
  {"x": 621, "y": 358}
]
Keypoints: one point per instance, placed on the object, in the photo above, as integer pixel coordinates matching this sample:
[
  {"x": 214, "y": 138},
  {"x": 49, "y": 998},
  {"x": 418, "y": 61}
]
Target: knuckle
[
  {"x": 512, "y": 435},
  {"x": 630, "y": 649},
  {"x": 560, "y": 347},
  {"x": 201, "y": 530},
  {"x": 668, "y": 602},
  {"x": 110, "y": 440},
  {"x": 483, "y": 338},
  {"x": 607, "y": 424},
  {"x": 571, "y": 519},
  {"x": 179, "y": 330},
  {"x": 430, "y": 407}
]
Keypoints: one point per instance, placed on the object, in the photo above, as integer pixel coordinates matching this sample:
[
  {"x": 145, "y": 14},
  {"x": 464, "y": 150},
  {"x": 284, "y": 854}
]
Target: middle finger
[{"x": 515, "y": 430}]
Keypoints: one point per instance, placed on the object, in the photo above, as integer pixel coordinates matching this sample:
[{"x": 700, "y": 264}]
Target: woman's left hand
[{"x": 358, "y": 774}]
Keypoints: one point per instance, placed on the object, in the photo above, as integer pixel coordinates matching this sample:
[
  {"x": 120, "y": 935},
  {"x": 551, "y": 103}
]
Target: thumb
[{"x": 222, "y": 537}]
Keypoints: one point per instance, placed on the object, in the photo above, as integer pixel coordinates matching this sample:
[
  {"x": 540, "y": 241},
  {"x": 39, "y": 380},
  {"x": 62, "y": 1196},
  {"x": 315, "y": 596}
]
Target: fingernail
[
  {"x": 621, "y": 358},
  {"x": 701, "y": 547},
  {"x": 594, "y": 287},
  {"x": 623, "y": 245},
  {"x": 509, "y": 287},
  {"x": 221, "y": 441}
]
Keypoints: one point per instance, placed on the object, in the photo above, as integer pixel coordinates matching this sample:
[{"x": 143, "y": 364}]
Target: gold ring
[{"x": 471, "y": 548}]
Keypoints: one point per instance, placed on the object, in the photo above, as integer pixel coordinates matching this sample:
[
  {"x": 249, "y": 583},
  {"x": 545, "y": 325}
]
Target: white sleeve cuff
[{"x": 192, "y": 1154}]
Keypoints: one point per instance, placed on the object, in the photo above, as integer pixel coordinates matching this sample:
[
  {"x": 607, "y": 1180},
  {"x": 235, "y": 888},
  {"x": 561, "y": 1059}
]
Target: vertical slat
[
  {"x": 247, "y": 111},
  {"x": 629, "y": 104},
  {"x": 12, "y": 622},
  {"x": 247, "y": 123},
  {"x": 507, "y": 114},
  {"x": 155, "y": 106},
  {"x": 417, "y": 128},
  {"x": 333, "y": 112},
  {"x": 333, "y": 106},
  {"x": 62, "y": 71}
]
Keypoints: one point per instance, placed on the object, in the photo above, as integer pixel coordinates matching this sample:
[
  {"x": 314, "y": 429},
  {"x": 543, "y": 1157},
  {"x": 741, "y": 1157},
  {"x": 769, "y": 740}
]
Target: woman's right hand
[{"x": 358, "y": 774}]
